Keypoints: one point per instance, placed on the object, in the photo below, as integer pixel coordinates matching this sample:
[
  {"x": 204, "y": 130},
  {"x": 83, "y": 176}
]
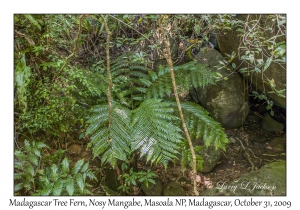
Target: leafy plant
[
  {"x": 133, "y": 178},
  {"x": 58, "y": 179},
  {"x": 37, "y": 176},
  {"x": 262, "y": 44}
]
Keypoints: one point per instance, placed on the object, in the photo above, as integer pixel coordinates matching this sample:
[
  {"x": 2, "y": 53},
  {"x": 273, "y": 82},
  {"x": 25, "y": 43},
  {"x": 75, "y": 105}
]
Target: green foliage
[
  {"x": 42, "y": 103},
  {"x": 54, "y": 103},
  {"x": 133, "y": 178},
  {"x": 202, "y": 126},
  {"x": 186, "y": 75},
  {"x": 263, "y": 44},
  {"x": 22, "y": 80},
  {"x": 142, "y": 121},
  {"x": 53, "y": 178},
  {"x": 130, "y": 75},
  {"x": 154, "y": 131},
  {"x": 27, "y": 164},
  {"x": 113, "y": 141},
  {"x": 186, "y": 156}
]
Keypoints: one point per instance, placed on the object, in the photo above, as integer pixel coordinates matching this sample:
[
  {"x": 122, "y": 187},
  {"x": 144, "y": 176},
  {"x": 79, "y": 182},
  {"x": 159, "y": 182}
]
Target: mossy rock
[
  {"x": 211, "y": 157},
  {"x": 271, "y": 125},
  {"x": 268, "y": 180},
  {"x": 153, "y": 189},
  {"x": 225, "y": 100},
  {"x": 173, "y": 189}
]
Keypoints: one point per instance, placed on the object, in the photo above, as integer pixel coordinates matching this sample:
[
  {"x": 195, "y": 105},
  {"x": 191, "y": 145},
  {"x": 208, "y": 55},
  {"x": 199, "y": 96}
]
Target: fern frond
[
  {"x": 129, "y": 79},
  {"x": 112, "y": 142},
  {"x": 202, "y": 125},
  {"x": 187, "y": 75},
  {"x": 65, "y": 166},
  {"x": 154, "y": 132},
  {"x": 80, "y": 182}
]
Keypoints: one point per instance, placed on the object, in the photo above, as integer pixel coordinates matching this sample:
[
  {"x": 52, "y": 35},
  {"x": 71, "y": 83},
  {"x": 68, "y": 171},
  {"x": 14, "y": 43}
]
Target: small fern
[
  {"x": 60, "y": 180},
  {"x": 34, "y": 174},
  {"x": 26, "y": 165}
]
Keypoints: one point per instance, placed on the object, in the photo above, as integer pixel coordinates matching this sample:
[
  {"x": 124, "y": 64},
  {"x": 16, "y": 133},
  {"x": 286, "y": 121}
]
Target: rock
[
  {"x": 230, "y": 42},
  {"x": 173, "y": 189},
  {"x": 153, "y": 189},
  {"x": 267, "y": 181},
  {"x": 278, "y": 144},
  {"x": 210, "y": 156},
  {"x": 224, "y": 100},
  {"x": 269, "y": 124},
  {"x": 253, "y": 118}
]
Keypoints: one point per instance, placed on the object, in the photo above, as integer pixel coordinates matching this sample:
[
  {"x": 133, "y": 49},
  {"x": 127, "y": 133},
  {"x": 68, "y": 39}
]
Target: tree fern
[{"x": 142, "y": 121}]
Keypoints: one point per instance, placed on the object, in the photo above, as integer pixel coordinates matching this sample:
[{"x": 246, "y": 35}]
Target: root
[{"x": 248, "y": 156}]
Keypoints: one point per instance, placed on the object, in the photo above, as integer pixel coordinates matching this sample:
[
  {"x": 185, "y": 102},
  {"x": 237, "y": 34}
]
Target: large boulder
[
  {"x": 230, "y": 41},
  {"x": 226, "y": 101},
  {"x": 267, "y": 181}
]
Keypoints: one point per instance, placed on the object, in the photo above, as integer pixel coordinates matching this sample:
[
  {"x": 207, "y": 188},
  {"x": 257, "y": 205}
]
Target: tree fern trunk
[{"x": 170, "y": 63}]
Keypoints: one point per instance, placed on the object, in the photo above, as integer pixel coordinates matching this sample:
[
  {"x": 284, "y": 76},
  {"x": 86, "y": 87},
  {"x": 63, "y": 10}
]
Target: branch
[
  {"x": 170, "y": 63},
  {"x": 30, "y": 41}
]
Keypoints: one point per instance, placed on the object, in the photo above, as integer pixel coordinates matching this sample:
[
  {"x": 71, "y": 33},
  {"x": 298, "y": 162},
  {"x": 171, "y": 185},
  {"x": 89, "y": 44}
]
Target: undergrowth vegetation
[{"x": 62, "y": 78}]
